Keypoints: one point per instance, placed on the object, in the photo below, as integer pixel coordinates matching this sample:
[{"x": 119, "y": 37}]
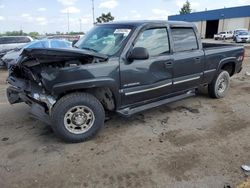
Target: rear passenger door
[{"x": 188, "y": 59}]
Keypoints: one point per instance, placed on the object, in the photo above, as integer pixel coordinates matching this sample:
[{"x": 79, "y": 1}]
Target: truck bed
[{"x": 217, "y": 45}]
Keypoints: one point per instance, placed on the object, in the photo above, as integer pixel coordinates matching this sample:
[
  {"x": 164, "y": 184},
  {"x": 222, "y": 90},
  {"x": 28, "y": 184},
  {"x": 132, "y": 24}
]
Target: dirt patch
[
  {"x": 246, "y": 89},
  {"x": 189, "y": 109},
  {"x": 135, "y": 179},
  {"x": 16, "y": 153},
  {"x": 167, "y": 109},
  {"x": 178, "y": 165},
  {"x": 176, "y": 138},
  {"x": 226, "y": 127}
]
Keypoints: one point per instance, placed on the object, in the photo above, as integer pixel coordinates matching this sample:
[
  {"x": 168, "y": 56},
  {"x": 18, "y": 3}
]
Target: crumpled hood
[{"x": 56, "y": 55}]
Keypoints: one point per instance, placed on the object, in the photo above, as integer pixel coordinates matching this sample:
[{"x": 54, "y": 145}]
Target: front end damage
[
  {"x": 31, "y": 80},
  {"x": 41, "y": 104}
]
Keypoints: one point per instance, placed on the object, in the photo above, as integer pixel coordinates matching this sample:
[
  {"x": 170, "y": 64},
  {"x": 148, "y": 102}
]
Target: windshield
[
  {"x": 34, "y": 44},
  {"x": 243, "y": 33},
  {"x": 107, "y": 39}
]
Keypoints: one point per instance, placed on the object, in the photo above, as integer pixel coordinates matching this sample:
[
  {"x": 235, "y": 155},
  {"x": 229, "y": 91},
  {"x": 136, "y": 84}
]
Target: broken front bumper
[{"x": 21, "y": 90}]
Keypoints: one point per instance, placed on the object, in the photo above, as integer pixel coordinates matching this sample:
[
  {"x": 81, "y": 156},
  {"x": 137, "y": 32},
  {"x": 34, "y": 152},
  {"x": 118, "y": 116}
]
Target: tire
[
  {"x": 218, "y": 88},
  {"x": 77, "y": 117}
]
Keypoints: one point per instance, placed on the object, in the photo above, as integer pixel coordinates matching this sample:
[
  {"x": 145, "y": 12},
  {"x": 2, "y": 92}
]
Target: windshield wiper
[{"x": 90, "y": 49}]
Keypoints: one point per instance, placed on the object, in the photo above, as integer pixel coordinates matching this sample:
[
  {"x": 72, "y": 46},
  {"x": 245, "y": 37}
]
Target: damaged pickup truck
[{"x": 125, "y": 67}]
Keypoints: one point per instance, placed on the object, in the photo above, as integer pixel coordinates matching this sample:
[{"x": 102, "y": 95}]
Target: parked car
[
  {"x": 70, "y": 38},
  {"x": 11, "y": 57},
  {"x": 223, "y": 35},
  {"x": 124, "y": 67},
  {"x": 242, "y": 36},
  {"x": 236, "y": 32},
  {"x": 8, "y": 43}
]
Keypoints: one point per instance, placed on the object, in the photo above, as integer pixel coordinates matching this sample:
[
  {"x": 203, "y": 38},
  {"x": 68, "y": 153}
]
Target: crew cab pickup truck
[{"x": 125, "y": 67}]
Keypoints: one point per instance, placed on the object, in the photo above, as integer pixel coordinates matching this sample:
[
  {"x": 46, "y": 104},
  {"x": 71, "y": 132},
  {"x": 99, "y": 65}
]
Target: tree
[
  {"x": 14, "y": 33},
  {"x": 186, "y": 9},
  {"x": 34, "y": 34},
  {"x": 75, "y": 33},
  {"x": 105, "y": 18}
]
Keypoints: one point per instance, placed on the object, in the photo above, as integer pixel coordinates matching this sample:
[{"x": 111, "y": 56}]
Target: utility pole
[
  {"x": 68, "y": 19},
  {"x": 93, "y": 11},
  {"x": 80, "y": 21}
]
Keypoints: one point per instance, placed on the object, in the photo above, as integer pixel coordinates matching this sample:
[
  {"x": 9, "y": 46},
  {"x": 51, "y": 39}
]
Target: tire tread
[{"x": 72, "y": 99}]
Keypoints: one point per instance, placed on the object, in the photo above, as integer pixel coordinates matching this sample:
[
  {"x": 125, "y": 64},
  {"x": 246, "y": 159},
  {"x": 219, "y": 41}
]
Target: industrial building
[{"x": 214, "y": 21}]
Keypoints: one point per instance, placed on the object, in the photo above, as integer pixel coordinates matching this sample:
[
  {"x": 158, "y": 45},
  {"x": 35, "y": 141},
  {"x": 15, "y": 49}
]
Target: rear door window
[
  {"x": 22, "y": 40},
  {"x": 184, "y": 39},
  {"x": 11, "y": 40},
  {"x": 6, "y": 40}
]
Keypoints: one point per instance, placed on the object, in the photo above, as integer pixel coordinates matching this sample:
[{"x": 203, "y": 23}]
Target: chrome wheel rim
[
  {"x": 222, "y": 85},
  {"x": 79, "y": 119}
]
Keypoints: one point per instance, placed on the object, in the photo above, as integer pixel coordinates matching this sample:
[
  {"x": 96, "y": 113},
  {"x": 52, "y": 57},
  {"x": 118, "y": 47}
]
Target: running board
[{"x": 131, "y": 111}]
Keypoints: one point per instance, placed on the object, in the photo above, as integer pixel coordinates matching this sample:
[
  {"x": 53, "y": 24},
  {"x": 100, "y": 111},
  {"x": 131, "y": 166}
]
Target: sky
[{"x": 51, "y": 15}]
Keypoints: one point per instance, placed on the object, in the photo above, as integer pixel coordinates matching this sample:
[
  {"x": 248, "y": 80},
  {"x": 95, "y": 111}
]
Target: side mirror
[{"x": 138, "y": 53}]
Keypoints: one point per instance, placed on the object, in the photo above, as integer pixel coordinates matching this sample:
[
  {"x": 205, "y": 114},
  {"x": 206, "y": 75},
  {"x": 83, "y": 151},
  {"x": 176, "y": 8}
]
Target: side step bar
[{"x": 131, "y": 111}]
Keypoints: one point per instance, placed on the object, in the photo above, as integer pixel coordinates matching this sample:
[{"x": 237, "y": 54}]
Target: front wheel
[
  {"x": 218, "y": 88},
  {"x": 77, "y": 117}
]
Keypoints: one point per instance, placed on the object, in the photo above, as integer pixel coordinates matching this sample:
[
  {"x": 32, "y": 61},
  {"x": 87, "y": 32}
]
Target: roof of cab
[{"x": 137, "y": 23}]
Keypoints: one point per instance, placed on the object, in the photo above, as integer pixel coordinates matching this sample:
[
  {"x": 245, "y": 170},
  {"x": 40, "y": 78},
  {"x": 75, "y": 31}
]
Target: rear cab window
[{"x": 184, "y": 39}]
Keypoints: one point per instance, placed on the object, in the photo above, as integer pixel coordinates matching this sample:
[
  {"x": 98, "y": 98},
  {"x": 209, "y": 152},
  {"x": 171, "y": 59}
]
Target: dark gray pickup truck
[{"x": 126, "y": 67}]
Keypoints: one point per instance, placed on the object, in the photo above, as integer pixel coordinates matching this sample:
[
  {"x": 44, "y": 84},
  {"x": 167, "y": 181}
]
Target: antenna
[
  {"x": 93, "y": 11},
  {"x": 68, "y": 18},
  {"x": 80, "y": 21}
]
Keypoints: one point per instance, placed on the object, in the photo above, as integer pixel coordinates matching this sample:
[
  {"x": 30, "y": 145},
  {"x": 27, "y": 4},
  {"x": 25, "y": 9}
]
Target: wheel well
[
  {"x": 104, "y": 95},
  {"x": 229, "y": 67}
]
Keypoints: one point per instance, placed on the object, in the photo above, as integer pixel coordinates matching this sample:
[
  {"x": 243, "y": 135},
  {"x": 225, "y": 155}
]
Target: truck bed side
[{"x": 221, "y": 56}]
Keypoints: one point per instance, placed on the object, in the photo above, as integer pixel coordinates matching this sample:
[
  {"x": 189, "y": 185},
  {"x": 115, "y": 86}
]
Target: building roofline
[{"x": 224, "y": 13}]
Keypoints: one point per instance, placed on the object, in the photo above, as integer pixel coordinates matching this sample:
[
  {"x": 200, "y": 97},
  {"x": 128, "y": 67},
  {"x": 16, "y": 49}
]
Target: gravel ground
[{"x": 197, "y": 142}]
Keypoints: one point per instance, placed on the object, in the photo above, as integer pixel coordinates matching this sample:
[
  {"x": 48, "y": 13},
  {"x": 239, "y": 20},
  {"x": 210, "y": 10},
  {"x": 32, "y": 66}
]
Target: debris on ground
[
  {"x": 246, "y": 168},
  {"x": 247, "y": 73},
  {"x": 227, "y": 185},
  {"x": 5, "y": 139}
]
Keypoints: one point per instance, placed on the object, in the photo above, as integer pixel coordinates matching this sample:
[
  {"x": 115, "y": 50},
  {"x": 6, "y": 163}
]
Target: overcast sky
[{"x": 51, "y": 15}]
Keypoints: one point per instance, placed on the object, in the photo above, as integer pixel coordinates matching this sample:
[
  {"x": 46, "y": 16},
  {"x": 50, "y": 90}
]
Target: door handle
[
  {"x": 168, "y": 64},
  {"x": 197, "y": 60}
]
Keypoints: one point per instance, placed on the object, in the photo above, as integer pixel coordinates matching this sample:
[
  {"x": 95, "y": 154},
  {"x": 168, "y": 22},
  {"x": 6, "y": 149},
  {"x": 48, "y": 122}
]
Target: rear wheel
[
  {"x": 218, "y": 88},
  {"x": 77, "y": 117}
]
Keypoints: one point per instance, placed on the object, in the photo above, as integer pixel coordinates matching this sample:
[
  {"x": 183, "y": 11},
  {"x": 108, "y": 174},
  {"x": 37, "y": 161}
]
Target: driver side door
[{"x": 145, "y": 80}]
